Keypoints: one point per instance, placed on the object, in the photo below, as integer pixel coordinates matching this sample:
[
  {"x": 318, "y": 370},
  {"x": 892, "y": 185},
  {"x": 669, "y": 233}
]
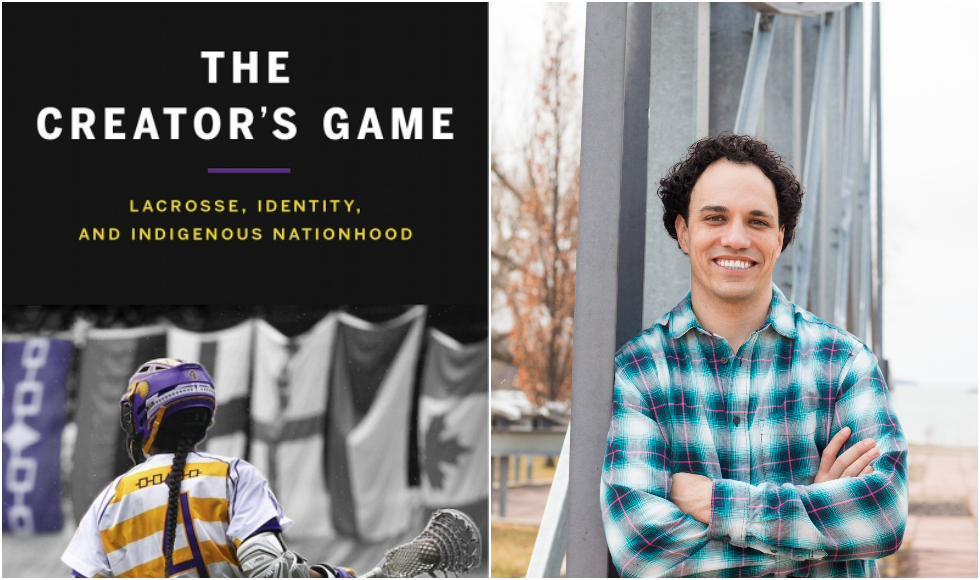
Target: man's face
[{"x": 732, "y": 234}]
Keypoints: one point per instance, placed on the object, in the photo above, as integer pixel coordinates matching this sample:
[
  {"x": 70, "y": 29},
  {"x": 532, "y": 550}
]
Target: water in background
[{"x": 943, "y": 416}]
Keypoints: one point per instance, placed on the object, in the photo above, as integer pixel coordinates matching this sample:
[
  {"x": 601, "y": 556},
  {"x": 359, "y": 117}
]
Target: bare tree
[{"x": 535, "y": 210}]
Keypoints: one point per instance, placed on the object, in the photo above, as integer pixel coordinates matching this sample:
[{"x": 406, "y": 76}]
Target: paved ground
[
  {"x": 940, "y": 535},
  {"x": 525, "y": 504}
]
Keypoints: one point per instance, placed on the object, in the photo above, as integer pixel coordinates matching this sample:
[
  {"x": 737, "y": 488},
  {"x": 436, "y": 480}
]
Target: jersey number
[{"x": 197, "y": 560}]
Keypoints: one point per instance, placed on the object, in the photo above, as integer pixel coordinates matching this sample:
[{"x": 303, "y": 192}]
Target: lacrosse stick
[{"x": 450, "y": 542}]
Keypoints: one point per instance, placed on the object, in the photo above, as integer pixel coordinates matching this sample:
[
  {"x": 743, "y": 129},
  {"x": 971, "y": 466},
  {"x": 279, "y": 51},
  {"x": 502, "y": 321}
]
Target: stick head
[{"x": 450, "y": 542}]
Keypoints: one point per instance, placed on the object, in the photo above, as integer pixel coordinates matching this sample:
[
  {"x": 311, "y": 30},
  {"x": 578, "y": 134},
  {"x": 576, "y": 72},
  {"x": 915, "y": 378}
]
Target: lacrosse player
[{"x": 181, "y": 512}]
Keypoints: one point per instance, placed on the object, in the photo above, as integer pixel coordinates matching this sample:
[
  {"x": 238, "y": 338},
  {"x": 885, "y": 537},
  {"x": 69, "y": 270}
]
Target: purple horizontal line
[{"x": 249, "y": 170}]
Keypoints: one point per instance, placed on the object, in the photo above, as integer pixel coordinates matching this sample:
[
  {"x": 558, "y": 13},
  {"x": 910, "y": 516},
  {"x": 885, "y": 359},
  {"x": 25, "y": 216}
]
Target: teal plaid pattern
[{"x": 755, "y": 422}]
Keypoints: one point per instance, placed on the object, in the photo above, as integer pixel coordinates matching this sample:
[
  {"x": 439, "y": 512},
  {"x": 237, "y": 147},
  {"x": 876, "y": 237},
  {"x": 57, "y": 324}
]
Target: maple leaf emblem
[{"x": 440, "y": 450}]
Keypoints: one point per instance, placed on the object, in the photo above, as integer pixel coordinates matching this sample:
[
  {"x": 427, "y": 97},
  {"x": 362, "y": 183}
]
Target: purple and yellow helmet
[{"x": 159, "y": 389}]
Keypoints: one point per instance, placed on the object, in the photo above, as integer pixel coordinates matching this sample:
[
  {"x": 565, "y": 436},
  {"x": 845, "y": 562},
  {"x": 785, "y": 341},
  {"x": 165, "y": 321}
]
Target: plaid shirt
[{"x": 756, "y": 423}]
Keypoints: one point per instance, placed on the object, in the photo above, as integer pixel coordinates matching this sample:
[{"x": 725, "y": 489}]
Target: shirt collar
[{"x": 782, "y": 317}]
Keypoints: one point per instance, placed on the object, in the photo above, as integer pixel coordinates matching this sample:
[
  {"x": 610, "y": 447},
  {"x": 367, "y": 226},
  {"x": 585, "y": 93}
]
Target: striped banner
[
  {"x": 371, "y": 389},
  {"x": 34, "y": 374},
  {"x": 289, "y": 405},
  {"x": 109, "y": 358},
  {"x": 226, "y": 354}
]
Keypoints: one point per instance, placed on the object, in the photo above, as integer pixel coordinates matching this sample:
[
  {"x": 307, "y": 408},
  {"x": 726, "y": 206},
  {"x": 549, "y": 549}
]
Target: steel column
[
  {"x": 596, "y": 281},
  {"x": 679, "y": 78},
  {"x": 549, "y": 546},
  {"x": 731, "y": 40},
  {"x": 632, "y": 224},
  {"x": 812, "y": 164},
  {"x": 875, "y": 117},
  {"x": 753, "y": 87},
  {"x": 785, "y": 139}
]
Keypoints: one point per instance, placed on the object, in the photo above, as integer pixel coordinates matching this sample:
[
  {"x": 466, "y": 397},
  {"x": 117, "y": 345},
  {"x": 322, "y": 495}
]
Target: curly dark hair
[{"x": 675, "y": 187}]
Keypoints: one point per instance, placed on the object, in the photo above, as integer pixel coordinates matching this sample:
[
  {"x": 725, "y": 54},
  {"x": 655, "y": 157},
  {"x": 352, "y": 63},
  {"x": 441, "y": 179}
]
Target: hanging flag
[
  {"x": 34, "y": 374},
  {"x": 371, "y": 390},
  {"x": 454, "y": 422},
  {"x": 109, "y": 358},
  {"x": 289, "y": 406},
  {"x": 226, "y": 354}
]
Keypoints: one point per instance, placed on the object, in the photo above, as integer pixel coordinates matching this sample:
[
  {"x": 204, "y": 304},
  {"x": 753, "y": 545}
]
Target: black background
[{"x": 349, "y": 56}]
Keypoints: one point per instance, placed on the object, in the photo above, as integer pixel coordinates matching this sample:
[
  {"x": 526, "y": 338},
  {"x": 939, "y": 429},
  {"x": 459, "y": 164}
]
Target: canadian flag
[{"x": 454, "y": 422}]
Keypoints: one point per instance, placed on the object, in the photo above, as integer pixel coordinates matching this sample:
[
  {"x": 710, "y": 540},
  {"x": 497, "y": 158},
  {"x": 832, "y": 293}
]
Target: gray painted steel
[
  {"x": 731, "y": 39},
  {"x": 849, "y": 217},
  {"x": 863, "y": 239},
  {"x": 826, "y": 246},
  {"x": 809, "y": 31},
  {"x": 797, "y": 8},
  {"x": 753, "y": 86},
  {"x": 507, "y": 442},
  {"x": 782, "y": 104},
  {"x": 629, "y": 316},
  {"x": 596, "y": 281},
  {"x": 678, "y": 116},
  {"x": 876, "y": 302},
  {"x": 811, "y": 168},
  {"x": 549, "y": 546}
]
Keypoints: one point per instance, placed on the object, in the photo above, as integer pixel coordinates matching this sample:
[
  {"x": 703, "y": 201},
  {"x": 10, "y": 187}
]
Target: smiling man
[{"x": 748, "y": 436}]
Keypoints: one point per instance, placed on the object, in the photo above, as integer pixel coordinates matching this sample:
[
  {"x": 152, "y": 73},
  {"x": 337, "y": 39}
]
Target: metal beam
[
  {"x": 596, "y": 280},
  {"x": 856, "y": 14},
  {"x": 806, "y": 42},
  {"x": 781, "y": 117},
  {"x": 679, "y": 78},
  {"x": 797, "y": 8},
  {"x": 549, "y": 547},
  {"x": 507, "y": 442},
  {"x": 875, "y": 116},
  {"x": 731, "y": 40},
  {"x": 632, "y": 223},
  {"x": 812, "y": 164},
  {"x": 753, "y": 87},
  {"x": 850, "y": 218}
]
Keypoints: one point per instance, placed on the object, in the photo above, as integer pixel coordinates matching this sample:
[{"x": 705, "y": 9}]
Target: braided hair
[
  {"x": 174, "y": 478},
  {"x": 179, "y": 433}
]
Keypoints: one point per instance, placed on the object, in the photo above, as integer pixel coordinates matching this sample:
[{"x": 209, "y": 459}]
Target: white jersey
[{"x": 223, "y": 501}]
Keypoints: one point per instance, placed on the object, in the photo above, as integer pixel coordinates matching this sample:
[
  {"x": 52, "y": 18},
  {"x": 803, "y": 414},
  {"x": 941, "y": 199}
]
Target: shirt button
[
  {"x": 726, "y": 538},
  {"x": 736, "y": 420}
]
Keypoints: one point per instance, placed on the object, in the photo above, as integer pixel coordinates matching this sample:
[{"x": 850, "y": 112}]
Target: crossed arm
[
  {"x": 692, "y": 493},
  {"x": 657, "y": 522}
]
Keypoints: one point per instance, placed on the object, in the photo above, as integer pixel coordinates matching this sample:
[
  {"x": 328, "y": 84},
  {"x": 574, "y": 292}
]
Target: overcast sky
[{"x": 930, "y": 171}]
